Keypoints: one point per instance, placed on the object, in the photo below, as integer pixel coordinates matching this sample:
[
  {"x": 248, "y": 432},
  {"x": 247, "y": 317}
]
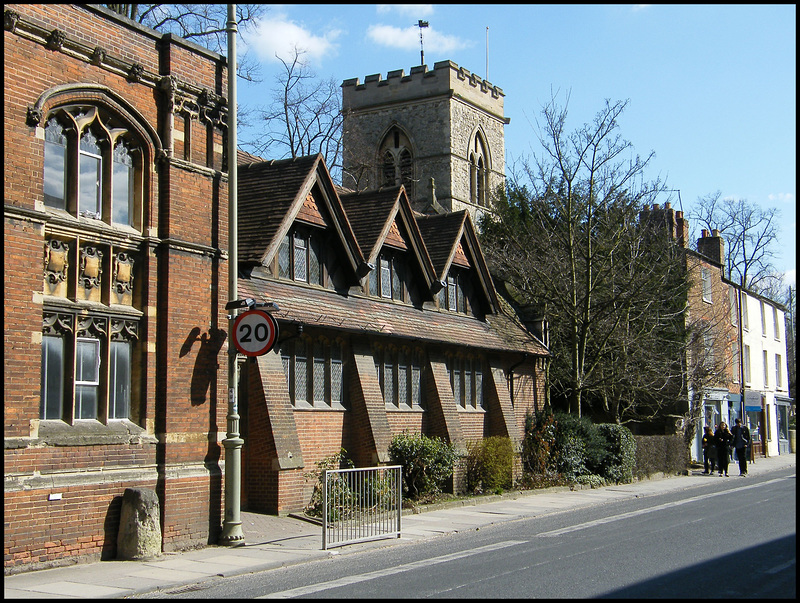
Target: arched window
[
  {"x": 479, "y": 171},
  {"x": 397, "y": 160},
  {"x": 93, "y": 165}
]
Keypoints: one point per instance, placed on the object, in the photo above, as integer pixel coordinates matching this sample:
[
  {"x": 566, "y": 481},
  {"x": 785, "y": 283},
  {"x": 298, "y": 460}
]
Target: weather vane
[{"x": 421, "y": 24}]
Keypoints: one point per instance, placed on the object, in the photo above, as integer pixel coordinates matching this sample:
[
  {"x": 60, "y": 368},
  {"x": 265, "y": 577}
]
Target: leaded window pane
[
  {"x": 300, "y": 262},
  {"x": 122, "y": 189},
  {"x": 406, "y": 168},
  {"x": 300, "y": 374},
  {"x": 373, "y": 282},
  {"x": 479, "y": 388},
  {"x": 462, "y": 307},
  {"x": 457, "y": 386},
  {"x": 55, "y": 162},
  {"x": 451, "y": 293},
  {"x": 337, "y": 383},
  {"x": 416, "y": 385},
  {"x": 90, "y": 176},
  {"x": 389, "y": 178},
  {"x": 386, "y": 278},
  {"x": 284, "y": 258},
  {"x": 468, "y": 401},
  {"x": 52, "y": 403},
  {"x": 397, "y": 287},
  {"x": 402, "y": 382},
  {"x": 315, "y": 257},
  {"x": 388, "y": 383},
  {"x": 319, "y": 373},
  {"x": 119, "y": 387}
]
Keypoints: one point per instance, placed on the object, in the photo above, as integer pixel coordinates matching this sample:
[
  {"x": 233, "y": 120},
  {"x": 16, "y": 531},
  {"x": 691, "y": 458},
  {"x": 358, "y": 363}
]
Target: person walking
[
  {"x": 722, "y": 439},
  {"x": 709, "y": 451},
  {"x": 741, "y": 440}
]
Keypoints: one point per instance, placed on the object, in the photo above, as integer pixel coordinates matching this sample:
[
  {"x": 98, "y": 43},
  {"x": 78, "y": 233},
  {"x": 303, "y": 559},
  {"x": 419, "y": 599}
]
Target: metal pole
[{"x": 232, "y": 534}]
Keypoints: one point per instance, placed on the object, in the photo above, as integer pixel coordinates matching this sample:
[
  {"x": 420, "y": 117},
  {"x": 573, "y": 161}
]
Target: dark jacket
[
  {"x": 723, "y": 440},
  {"x": 741, "y": 436}
]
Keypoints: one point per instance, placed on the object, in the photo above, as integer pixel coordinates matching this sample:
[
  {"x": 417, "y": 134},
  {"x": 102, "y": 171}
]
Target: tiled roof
[
  {"x": 313, "y": 306},
  {"x": 368, "y": 214},
  {"x": 267, "y": 190},
  {"x": 441, "y": 234}
]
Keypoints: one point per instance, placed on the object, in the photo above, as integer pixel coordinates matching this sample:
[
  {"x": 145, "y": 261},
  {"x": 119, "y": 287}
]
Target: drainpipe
[{"x": 232, "y": 534}]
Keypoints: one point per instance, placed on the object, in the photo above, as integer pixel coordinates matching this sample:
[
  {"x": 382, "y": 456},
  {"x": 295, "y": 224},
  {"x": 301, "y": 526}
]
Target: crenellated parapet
[{"x": 446, "y": 78}]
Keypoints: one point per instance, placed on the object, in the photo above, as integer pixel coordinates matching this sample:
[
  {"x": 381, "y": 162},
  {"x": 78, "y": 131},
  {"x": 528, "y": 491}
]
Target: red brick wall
[{"x": 180, "y": 287}]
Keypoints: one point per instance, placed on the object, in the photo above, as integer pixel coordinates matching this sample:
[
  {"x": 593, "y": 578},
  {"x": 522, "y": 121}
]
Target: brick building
[
  {"x": 732, "y": 353},
  {"x": 388, "y": 319},
  {"x": 115, "y": 241},
  {"x": 115, "y": 232}
]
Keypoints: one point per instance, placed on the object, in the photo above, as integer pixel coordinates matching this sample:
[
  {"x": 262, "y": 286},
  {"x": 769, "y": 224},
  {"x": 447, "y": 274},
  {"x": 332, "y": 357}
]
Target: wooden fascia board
[
  {"x": 336, "y": 211},
  {"x": 468, "y": 233}
]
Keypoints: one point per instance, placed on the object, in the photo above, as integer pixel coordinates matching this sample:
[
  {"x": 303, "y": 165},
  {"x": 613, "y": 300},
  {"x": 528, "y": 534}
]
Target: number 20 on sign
[{"x": 255, "y": 332}]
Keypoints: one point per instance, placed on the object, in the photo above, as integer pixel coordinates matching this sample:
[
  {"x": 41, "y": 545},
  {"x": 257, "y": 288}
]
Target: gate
[{"x": 361, "y": 504}]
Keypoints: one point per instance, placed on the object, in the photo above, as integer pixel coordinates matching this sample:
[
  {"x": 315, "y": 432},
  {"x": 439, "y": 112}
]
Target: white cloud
[
  {"x": 407, "y": 38},
  {"x": 279, "y": 36},
  {"x": 790, "y": 277},
  {"x": 781, "y": 197},
  {"x": 407, "y": 10}
]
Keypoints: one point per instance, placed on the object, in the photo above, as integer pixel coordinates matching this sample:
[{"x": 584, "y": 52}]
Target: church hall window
[
  {"x": 400, "y": 377},
  {"x": 466, "y": 381},
  {"x": 304, "y": 257},
  {"x": 389, "y": 280},
  {"x": 93, "y": 166},
  {"x": 314, "y": 372},
  {"x": 455, "y": 297}
]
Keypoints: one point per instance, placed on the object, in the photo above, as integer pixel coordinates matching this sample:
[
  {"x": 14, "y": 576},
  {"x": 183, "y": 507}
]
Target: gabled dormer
[
  {"x": 459, "y": 264},
  {"x": 390, "y": 240},
  {"x": 292, "y": 224}
]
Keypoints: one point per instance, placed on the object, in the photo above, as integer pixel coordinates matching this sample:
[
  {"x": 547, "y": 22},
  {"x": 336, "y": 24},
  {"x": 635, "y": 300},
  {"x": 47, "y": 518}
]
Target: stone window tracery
[
  {"x": 397, "y": 160},
  {"x": 93, "y": 166}
]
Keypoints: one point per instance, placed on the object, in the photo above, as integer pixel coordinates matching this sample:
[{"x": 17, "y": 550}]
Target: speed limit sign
[{"x": 255, "y": 332}]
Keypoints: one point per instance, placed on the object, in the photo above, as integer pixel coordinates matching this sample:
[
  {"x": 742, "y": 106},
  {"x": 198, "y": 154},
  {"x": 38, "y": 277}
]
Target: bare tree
[
  {"x": 304, "y": 118},
  {"x": 750, "y": 233},
  {"x": 572, "y": 246},
  {"x": 205, "y": 24}
]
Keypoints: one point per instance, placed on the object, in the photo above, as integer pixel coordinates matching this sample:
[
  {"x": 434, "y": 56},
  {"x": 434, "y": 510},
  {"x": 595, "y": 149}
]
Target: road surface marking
[{"x": 314, "y": 588}]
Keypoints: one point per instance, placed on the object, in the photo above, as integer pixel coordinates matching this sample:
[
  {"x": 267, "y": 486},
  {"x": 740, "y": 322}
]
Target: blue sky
[{"x": 712, "y": 89}]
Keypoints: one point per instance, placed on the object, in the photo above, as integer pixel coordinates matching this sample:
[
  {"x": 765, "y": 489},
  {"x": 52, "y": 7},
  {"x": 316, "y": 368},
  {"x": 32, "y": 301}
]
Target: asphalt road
[{"x": 732, "y": 538}]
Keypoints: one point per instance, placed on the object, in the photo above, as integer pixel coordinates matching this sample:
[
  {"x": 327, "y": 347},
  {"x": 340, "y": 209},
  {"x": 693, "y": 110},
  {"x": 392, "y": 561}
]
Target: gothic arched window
[
  {"x": 93, "y": 166},
  {"x": 479, "y": 171},
  {"x": 397, "y": 160}
]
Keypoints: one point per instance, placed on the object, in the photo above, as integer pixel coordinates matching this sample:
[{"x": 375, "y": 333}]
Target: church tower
[{"x": 438, "y": 132}]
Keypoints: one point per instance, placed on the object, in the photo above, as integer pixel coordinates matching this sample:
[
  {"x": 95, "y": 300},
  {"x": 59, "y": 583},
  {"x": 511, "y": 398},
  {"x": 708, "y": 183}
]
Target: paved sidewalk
[{"x": 278, "y": 541}]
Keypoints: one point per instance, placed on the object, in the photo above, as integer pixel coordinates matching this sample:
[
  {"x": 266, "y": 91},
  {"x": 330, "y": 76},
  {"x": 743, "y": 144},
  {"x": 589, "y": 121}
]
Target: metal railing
[{"x": 361, "y": 504}]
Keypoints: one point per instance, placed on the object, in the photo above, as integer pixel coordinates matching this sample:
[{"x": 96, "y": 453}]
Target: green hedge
[
  {"x": 576, "y": 449},
  {"x": 427, "y": 462},
  {"x": 489, "y": 465}
]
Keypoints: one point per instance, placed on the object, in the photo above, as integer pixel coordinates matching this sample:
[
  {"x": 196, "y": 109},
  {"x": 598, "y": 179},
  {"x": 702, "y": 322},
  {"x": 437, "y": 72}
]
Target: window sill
[
  {"x": 336, "y": 407},
  {"x": 472, "y": 410},
  {"x": 404, "y": 408},
  {"x": 82, "y": 433}
]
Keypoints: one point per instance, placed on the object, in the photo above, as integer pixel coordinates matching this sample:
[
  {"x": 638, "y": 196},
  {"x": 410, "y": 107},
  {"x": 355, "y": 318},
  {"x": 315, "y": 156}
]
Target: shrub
[
  {"x": 621, "y": 453},
  {"x": 427, "y": 462},
  {"x": 538, "y": 443},
  {"x": 338, "y": 489},
  {"x": 489, "y": 464},
  {"x": 666, "y": 453},
  {"x": 580, "y": 447},
  {"x": 594, "y": 481}
]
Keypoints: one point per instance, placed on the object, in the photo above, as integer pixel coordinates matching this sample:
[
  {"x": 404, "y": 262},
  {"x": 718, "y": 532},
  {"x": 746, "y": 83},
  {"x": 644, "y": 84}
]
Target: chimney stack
[{"x": 712, "y": 246}]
